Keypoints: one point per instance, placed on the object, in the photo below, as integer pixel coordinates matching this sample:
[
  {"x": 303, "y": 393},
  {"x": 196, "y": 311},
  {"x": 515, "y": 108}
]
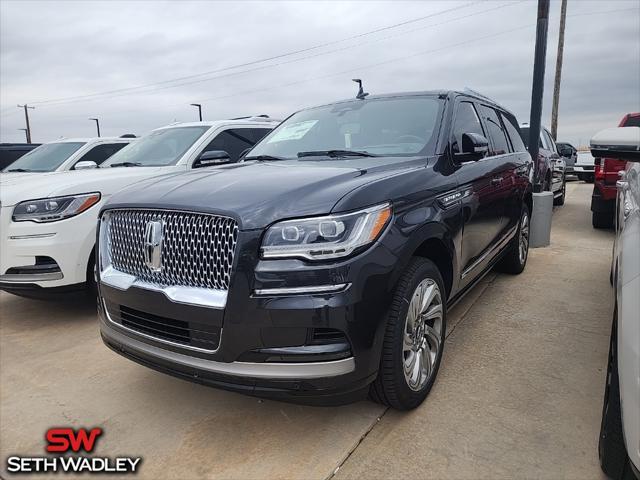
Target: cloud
[{"x": 66, "y": 49}]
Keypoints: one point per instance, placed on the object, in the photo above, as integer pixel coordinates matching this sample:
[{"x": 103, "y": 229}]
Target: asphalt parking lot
[{"x": 519, "y": 393}]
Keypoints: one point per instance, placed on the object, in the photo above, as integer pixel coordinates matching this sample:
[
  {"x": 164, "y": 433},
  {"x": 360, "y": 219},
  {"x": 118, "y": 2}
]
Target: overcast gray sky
[{"x": 58, "y": 55}]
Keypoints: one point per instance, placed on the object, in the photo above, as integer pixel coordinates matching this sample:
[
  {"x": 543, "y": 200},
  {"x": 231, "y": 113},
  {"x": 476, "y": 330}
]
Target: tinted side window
[
  {"x": 256, "y": 134},
  {"x": 100, "y": 153},
  {"x": 548, "y": 140},
  {"x": 466, "y": 121},
  {"x": 496, "y": 131},
  {"x": 514, "y": 133},
  {"x": 233, "y": 141}
]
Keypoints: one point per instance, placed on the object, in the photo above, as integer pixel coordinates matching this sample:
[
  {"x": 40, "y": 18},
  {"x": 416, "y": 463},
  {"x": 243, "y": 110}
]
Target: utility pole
[
  {"x": 199, "y": 109},
  {"x": 97, "y": 124},
  {"x": 25, "y": 132},
  {"x": 26, "y": 118},
  {"x": 540, "y": 227},
  {"x": 537, "y": 91},
  {"x": 556, "y": 84}
]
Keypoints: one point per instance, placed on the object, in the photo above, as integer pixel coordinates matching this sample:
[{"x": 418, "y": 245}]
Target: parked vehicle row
[
  {"x": 48, "y": 245},
  {"x": 551, "y": 166}
]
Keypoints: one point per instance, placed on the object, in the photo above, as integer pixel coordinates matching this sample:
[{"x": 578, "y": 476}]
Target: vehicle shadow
[{"x": 19, "y": 312}]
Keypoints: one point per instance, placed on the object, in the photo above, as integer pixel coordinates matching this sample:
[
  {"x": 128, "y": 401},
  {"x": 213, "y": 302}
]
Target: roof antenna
[{"x": 361, "y": 93}]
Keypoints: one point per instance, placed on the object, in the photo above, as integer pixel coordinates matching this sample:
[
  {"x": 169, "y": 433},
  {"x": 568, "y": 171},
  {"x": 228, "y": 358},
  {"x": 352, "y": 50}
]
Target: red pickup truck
[{"x": 603, "y": 200}]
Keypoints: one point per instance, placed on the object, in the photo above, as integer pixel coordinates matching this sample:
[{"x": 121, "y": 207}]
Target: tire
[
  {"x": 558, "y": 201},
  {"x": 407, "y": 343},
  {"x": 614, "y": 459},
  {"x": 601, "y": 220},
  {"x": 590, "y": 178},
  {"x": 580, "y": 176},
  {"x": 91, "y": 287},
  {"x": 515, "y": 258},
  {"x": 546, "y": 186}
]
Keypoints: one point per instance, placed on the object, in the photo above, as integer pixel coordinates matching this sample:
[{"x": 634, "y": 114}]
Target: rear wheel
[
  {"x": 602, "y": 220},
  {"x": 614, "y": 459},
  {"x": 560, "y": 199},
  {"x": 515, "y": 258},
  {"x": 590, "y": 178},
  {"x": 414, "y": 338}
]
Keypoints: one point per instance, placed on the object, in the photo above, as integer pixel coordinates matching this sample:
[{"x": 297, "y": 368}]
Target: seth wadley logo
[{"x": 67, "y": 440}]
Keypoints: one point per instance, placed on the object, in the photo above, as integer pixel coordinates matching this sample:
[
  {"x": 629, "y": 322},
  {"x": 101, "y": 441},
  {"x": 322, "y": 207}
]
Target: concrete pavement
[{"x": 519, "y": 392}]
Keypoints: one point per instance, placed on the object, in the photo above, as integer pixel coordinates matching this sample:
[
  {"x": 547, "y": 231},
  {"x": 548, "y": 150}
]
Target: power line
[
  {"x": 397, "y": 59},
  {"x": 262, "y": 60},
  {"x": 295, "y": 60},
  {"x": 393, "y": 60}
]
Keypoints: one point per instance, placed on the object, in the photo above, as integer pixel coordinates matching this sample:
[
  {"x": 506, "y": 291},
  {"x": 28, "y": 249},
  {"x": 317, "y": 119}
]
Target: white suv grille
[{"x": 197, "y": 249}]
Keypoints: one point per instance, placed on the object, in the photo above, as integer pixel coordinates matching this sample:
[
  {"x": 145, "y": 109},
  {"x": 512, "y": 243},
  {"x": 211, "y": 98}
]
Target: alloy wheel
[
  {"x": 422, "y": 334},
  {"x": 523, "y": 244}
]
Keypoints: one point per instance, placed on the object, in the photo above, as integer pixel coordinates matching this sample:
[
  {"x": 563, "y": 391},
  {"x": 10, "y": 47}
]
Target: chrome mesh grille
[{"x": 197, "y": 249}]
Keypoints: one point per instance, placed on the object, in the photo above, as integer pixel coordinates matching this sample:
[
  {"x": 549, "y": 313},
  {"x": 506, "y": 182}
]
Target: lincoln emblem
[{"x": 153, "y": 245}]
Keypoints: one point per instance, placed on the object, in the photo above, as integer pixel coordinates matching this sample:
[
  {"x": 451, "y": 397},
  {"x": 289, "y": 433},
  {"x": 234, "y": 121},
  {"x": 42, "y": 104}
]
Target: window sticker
[{"x": 295, "y": 131}]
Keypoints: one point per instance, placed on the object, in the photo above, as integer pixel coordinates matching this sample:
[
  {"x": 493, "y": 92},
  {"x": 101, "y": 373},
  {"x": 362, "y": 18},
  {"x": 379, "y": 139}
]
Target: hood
[
  {"x": 18, "y": 188},
  {"x": 258, "y": 193}
]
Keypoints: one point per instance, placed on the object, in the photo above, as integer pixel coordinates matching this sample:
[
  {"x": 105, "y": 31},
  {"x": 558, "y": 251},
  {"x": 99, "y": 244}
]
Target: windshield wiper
[
  {"x": 335, "y": 153},
  {"x": 263, "y": 158},
  {"x": 18, "y": 170},
  {"x": 126, "y": 164}
]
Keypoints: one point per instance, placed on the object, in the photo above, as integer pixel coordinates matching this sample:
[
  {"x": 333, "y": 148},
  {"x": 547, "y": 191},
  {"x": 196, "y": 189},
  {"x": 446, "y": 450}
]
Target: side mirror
[
  {"x": 212, "y": 158},
  {"x": 565, "y": 152},
  {"x": 85, "y": 165},
  {"x": 474, "y": 147},
  {"x": 622, "y": 143}
]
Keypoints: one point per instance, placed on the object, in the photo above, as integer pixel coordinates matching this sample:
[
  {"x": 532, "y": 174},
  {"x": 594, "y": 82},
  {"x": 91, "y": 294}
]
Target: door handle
[
  {"x": 622, "y": 185},
  {"x": 496, "y": 180}
]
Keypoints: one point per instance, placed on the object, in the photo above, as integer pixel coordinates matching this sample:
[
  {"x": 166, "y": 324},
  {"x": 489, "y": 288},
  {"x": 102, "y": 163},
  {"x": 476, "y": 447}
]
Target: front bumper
[
  {"x": 583, "y": 169},
  {"x": 263, "y": 340},
  {"x": 36, "y": 256}
]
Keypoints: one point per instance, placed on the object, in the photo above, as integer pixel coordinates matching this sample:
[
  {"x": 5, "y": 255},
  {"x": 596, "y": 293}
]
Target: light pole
[
  {"x": 26, "y": 119},
  {"x": 199, "y": 109},
  {"x": 97, "y": 124},
  {"x": 26, "y": 132}
]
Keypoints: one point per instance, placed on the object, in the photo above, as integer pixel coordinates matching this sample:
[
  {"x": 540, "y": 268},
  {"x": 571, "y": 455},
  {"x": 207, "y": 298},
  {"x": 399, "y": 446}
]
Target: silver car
[{"x": 619, "y": 446}]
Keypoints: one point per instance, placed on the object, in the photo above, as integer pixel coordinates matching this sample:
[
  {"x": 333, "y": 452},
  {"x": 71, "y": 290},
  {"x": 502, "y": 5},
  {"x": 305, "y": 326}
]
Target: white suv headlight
[
  {"x": 328, "y": 237},
  {"x": 55, "y": 208}
]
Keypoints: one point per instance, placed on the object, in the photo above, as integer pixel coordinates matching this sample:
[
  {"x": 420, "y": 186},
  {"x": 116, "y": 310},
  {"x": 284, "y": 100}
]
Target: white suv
[
  {"x": 67, "y": 154},
  {"x": 48, "y": 221}
]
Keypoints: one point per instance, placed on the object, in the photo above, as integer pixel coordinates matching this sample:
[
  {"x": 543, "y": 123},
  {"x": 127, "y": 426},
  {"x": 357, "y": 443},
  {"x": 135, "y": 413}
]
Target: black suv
[{"x": 322, "y": 266}]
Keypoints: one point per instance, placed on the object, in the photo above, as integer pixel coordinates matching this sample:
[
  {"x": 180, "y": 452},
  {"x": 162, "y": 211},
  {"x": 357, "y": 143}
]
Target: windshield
[
  {"x": 45, "y": 158},
  {"x": 387, "y": 126},
  {"x": 159, "y": 148}
]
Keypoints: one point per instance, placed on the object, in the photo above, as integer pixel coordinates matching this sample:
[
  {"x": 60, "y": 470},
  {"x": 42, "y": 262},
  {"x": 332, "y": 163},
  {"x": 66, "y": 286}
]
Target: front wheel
[{"x": 414, "y": 338}]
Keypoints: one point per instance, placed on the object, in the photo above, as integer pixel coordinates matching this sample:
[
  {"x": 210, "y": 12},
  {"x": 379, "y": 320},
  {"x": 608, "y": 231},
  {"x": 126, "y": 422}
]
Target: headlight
[
  {"x": 323, "y": 238},
  {"x": 54, "y": 208}
]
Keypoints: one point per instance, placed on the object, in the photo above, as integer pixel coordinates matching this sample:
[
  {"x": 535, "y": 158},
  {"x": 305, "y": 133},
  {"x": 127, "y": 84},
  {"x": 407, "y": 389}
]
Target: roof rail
[
  {"x": 478, "y": 94},
  {"x": 257, "y": 118}
]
